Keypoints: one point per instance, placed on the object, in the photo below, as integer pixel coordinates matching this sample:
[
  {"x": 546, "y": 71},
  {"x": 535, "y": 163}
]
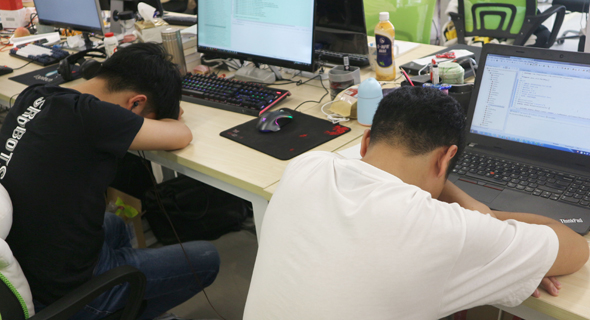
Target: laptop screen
[{"x": 533, "y": 101}]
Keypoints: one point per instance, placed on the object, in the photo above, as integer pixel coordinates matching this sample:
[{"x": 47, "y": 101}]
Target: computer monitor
[
  {"x": 273, "y": 32},
  {"x": 81, "y": 15},
  {"x": 340, "y": 26}
]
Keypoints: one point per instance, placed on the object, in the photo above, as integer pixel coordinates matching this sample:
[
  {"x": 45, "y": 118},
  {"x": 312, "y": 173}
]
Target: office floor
[{"x": 238, "y": 250}]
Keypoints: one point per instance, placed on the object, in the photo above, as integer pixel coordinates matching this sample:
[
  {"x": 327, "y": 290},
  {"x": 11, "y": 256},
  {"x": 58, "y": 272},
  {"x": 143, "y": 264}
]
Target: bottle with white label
[
  {"x": 384, "y": 37},
  {"x": 110, "y": 43}
]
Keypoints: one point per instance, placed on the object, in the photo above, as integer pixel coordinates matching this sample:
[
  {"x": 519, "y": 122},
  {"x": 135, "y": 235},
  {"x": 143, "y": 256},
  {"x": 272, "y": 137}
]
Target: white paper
[
  {"x": 353, "y": 152},
  {"x": 458, "y": 54},
  {"x": 52, "y": 38}
]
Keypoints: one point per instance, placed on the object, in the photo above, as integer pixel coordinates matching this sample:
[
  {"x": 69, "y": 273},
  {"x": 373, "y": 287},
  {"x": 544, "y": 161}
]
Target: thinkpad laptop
[{"x": 528, "y": 139}]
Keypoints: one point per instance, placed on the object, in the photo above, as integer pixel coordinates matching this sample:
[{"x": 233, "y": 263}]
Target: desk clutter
[
  {"x": 38, "y": 53},
  {"x": 232, "y": 95},
  {"x": 304, "y": 133}
]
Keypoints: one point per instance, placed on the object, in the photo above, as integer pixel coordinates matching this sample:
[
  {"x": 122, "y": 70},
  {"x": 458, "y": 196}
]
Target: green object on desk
[
  {"x": 125, "y": 209},
  {"x": 412, "y": 19}
]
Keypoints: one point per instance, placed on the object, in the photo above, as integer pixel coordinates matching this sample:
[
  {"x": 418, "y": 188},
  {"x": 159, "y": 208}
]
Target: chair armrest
[
  {"x": 74, "y": 301},
  {"x": 533, "y": 22}
]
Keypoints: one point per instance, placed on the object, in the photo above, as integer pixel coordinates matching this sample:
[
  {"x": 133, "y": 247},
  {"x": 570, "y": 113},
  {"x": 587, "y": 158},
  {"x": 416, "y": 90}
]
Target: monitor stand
[{"x": 253, "y": 73}]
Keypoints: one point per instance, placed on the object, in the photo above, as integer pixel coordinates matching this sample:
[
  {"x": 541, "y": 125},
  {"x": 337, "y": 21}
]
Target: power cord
[
  {"x": 161, "y": 206},
  {"x": 304, "y": 82},
  {"x": 333, "y": 117}
]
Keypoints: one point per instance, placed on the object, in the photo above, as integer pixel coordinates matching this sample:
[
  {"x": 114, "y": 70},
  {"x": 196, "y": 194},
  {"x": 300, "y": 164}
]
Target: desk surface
[{"x": 238, "y": 165}]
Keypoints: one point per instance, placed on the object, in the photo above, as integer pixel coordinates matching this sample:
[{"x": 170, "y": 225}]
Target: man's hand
[{"x": 551, "y": 285}]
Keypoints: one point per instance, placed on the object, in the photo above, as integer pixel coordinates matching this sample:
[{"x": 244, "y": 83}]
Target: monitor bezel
[
  {"x": 261, "y": 59},
  {"x": 61, "y": 24}
]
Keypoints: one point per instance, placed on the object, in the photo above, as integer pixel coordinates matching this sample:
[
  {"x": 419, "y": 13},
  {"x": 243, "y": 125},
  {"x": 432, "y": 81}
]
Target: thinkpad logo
[{"x": 573, "y": 220}]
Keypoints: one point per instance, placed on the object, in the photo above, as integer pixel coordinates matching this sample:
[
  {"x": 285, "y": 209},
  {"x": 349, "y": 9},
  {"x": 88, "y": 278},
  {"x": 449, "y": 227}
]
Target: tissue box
[{"x": 150, "y": 31}]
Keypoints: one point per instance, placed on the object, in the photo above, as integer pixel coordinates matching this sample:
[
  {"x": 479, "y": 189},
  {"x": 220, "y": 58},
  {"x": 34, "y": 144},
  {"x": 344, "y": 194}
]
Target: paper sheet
[
  {"x": 458, "y": 54},
  {"x": 353, "y": 152}
]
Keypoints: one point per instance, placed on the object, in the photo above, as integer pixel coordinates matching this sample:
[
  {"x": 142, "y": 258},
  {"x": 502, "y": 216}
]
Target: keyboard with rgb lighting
[{"x": 232, "y": 95}]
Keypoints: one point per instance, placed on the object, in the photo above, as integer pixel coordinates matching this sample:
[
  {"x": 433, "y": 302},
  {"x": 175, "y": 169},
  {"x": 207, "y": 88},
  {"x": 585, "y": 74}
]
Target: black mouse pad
[
  {"x": 303, "y": 133},
  {"x": 46, "y": 75}
]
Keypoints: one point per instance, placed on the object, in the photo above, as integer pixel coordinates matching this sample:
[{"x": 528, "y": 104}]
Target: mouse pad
[
  {"x": 46, "y": 75},
  {"x": 303, "y": 133}
]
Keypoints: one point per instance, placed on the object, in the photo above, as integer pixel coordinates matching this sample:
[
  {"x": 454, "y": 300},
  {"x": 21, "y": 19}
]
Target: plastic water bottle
[
  {"x": 384, "y": 38},
  {"x": 369, "y": 96},
  {"x": 110, "y": 43}
]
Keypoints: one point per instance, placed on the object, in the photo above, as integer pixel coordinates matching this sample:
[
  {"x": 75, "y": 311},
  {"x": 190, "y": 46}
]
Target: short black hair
[
  {"x": 147, "y": 69},
  {"x": 419, "y": 119}
]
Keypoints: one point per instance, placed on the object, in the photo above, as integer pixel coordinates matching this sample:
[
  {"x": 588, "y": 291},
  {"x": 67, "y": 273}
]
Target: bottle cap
[
  {"x": 383, "y": 16},
  {"x": 109, "y": 34}
]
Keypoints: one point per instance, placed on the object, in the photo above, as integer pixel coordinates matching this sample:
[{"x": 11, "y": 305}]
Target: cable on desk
[
  {"x": 321, "y": 81},
  {"x": 26, "y": 64},
  {"x": 334, "y": 117}
]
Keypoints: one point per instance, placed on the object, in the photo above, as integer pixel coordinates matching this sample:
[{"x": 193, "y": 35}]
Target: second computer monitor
[
  {"x": 274, "y": 32},
  {"x": 340, "y": 26},
  {"x": 81, "y": 15}
]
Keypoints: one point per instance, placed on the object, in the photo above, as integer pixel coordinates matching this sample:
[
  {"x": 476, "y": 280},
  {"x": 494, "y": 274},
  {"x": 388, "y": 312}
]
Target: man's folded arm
[{"x": 165, "y": 134}]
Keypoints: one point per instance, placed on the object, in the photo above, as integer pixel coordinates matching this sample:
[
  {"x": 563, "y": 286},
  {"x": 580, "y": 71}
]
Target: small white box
[{"x": 12, "y": 19}]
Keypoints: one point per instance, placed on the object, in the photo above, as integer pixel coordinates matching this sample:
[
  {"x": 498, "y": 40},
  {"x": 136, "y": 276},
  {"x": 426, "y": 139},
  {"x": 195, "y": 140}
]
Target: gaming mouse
[
  {"x": 5, "y": 70},
  {"x": 273, "y": 121}
]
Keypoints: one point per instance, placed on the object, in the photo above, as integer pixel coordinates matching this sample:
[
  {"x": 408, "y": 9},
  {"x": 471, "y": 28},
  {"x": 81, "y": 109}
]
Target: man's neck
[{"x": 410, "y": 169}]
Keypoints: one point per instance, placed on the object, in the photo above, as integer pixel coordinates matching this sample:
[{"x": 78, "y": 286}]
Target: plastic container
[
  {"x": 369, "y": 96},
  {"x": 451, "y": 73},
  {"x": 384, "y": 40},
  {"x": 110, "y": 43},
  {"x": 341, "y": 79}
]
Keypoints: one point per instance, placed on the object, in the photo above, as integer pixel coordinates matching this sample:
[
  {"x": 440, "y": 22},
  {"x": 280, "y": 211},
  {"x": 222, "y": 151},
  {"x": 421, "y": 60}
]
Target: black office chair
[
  {"x": 176, "y": 6},
  {"x": 573, "y": 6},
  {"x": 11, "y": 307}
]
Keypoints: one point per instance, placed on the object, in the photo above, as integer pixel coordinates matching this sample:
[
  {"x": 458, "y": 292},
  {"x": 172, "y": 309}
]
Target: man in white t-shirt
[{"x": 388, "y": 237}]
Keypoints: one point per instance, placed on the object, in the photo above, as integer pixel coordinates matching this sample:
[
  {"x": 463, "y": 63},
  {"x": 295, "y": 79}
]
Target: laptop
[{"x": 528, "y": 134}]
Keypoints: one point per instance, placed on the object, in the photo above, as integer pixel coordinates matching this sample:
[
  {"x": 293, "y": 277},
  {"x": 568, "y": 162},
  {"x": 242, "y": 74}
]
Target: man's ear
[
  {"x": 365, "y": 142},
  {"x": 444, "y": 159},
  {"x": 136, "y": 103}
]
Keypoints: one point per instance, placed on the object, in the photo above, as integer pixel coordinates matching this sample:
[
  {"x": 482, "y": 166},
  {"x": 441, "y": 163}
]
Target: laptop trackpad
[
  {"x": 481, "y": 193},
  {"x": 578, "y": 219}
]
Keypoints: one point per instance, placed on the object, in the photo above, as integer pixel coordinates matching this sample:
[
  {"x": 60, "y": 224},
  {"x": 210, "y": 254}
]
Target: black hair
[
  {"x": 147, "y": 69},
  {"x": 419, "y": 119}
]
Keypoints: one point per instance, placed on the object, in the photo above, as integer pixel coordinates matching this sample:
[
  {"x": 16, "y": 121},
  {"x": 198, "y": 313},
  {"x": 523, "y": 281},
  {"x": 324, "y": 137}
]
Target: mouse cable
[
  {"x": 26, "y": 64},
  {"x": 161, "y": 206}
]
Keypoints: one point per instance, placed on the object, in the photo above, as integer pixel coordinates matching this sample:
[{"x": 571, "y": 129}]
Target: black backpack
[{"x": 197, "y": 211}]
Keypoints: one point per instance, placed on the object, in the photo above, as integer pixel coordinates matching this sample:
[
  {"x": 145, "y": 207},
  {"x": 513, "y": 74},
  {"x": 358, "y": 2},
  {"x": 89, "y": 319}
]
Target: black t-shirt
[{"x": 58, "y": 154}]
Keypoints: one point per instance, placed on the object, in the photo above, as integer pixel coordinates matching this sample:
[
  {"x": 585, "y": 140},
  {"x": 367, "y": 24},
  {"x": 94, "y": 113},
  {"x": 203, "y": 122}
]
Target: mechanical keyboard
[
  {"x": 38, "y": 54},
  {"x": 358, "y": 60},
  {"x": 542, "y": 182},
  {"x": 232, "y": 95}
]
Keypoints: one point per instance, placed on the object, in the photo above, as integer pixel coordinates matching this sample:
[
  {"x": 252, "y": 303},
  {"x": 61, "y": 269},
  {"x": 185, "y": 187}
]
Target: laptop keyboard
[{"x": 531, "y": 179}]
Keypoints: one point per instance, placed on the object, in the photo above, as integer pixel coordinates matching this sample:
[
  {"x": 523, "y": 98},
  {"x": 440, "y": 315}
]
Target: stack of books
[{"x": 189, "y": 42}]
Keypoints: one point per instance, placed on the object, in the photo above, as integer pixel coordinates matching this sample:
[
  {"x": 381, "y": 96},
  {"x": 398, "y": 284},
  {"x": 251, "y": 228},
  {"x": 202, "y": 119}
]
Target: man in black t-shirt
[{"x": 58, "y": 153}]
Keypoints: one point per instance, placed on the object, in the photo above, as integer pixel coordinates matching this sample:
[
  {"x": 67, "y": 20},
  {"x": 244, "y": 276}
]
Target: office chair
[
  {"x": 16, "y": 301},
  {"x": 412, "y": 19},
  {"x": 573, "y": 6},
  {"x": 510, "y": 19}
]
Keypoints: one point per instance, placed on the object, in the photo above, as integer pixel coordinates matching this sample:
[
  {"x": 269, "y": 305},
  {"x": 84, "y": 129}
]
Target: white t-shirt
[{"x": 342, "y": 239}]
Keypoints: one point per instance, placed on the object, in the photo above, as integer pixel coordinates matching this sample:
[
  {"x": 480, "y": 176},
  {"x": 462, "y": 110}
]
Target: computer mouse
[
  {"x": 5, "y": 70},
  {"x": 273, "y": 121}
]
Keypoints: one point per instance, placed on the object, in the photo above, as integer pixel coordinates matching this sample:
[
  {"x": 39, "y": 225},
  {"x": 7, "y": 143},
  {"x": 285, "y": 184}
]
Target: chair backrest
[
  {"x": 412, "y": 19},
  {"x": 16, "y": 300},
  {"x": 495, "y": 18}
]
